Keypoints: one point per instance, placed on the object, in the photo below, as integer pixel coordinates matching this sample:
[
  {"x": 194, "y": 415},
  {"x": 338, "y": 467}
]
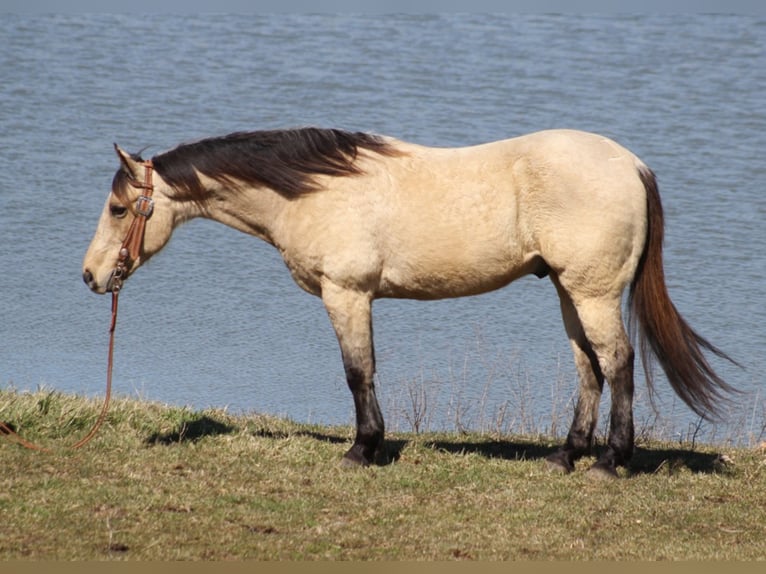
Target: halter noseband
[{"x": 131, "y": 246}]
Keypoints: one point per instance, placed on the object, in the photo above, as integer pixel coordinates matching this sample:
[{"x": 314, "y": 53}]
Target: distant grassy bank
[{"x": 170, "y": 483}]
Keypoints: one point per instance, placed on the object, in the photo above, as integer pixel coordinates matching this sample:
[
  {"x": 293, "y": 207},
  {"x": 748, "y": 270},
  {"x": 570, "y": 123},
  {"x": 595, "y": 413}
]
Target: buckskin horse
[{"x": 358, "y": 217}]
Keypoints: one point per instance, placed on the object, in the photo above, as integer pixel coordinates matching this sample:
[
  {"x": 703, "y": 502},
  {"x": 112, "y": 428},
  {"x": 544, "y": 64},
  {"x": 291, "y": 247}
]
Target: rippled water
[{"x": 215, "y": 320}]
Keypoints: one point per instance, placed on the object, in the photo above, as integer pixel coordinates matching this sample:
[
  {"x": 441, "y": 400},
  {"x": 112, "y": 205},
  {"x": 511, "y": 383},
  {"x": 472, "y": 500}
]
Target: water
[{"x": 215, "y": 320}]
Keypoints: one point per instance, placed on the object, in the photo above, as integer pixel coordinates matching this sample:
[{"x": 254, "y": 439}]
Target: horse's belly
[{"x": 451, "y": 273}]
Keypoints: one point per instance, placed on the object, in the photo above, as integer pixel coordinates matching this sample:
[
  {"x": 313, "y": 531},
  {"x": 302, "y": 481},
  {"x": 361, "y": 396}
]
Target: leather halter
[
  {"x": 131, "y": 246},
  {"x": 130, "y": 250}
]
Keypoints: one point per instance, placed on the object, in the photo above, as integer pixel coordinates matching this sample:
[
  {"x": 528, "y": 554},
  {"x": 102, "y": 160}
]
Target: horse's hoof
[
  {"x": 556, "y": 468},
  {"x": 354, "y": 458},
  {"x": 346, "y": 462},
  {"x": 602, "y": 472},
  {"x": 558, "y": 463}
]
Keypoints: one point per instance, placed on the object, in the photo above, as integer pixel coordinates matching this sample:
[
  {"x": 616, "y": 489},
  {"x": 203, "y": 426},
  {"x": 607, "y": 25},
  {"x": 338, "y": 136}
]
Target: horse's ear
[{"x": 129, "y": 163}]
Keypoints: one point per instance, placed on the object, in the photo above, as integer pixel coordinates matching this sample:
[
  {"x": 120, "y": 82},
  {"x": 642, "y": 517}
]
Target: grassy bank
[{"x": 161, "y": 482}]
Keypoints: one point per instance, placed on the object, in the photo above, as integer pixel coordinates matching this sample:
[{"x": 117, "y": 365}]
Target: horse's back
[{"x": 447, "y": 222}]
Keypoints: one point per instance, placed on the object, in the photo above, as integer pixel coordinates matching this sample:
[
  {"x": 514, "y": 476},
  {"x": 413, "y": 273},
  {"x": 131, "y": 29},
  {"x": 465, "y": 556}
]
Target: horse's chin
[
  {"x": 101, "y": 288},
  {"x": 110, "y": 285}
]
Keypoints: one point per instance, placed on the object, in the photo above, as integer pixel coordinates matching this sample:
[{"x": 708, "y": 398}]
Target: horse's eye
[{"x": 118, "y": 211}]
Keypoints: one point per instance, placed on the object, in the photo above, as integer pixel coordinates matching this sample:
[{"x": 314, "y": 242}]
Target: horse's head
[{"x": 121, "y": 209}]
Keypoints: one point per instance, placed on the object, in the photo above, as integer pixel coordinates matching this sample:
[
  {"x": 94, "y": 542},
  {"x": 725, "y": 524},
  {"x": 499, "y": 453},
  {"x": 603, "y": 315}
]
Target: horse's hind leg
[
  {"x": 579, "y": 441},
  {"x": 616, "y": 358},
  {"x": 601, "y": 338},
  {"x": 351, "y": 316}
]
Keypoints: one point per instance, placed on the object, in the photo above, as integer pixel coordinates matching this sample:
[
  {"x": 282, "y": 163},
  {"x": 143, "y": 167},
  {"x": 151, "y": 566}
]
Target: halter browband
[{"x": 131, "y": 246}]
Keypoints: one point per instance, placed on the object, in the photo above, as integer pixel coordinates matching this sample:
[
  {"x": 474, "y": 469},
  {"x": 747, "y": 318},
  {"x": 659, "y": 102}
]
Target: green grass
[{"x": 167, "y": 483}]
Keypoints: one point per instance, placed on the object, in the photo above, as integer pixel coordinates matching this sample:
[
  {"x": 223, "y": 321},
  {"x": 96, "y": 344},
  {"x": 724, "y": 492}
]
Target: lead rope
[
  {"x": 110, "y": 363},
  {"x": 129, "y": 250},
  {"x": 11, "y": 435}
]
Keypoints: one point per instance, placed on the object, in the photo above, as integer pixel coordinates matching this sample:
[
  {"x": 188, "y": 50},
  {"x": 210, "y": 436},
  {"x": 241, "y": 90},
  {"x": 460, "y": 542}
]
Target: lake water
[{"x": 216, "y": 321}]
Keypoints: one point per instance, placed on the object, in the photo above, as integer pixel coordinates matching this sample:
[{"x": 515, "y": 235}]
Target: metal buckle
[{"x": 144, "y": 205}]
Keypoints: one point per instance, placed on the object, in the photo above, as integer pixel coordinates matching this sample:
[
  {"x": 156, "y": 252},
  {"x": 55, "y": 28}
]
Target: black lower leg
[
  {"x": 619, "y": 448},
  {"x": 369, "y": 421},
  {"x": 579, "y": 440},
  {"x": 578, "y": 444},
  {"x": 621, "y": 432}
]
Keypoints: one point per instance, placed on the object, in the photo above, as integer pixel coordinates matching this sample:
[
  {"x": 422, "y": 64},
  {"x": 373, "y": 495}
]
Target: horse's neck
[{"x": 250, "y": 210}]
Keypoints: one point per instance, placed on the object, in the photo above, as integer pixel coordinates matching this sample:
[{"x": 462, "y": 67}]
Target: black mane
[{"x": 284, "y": 160}]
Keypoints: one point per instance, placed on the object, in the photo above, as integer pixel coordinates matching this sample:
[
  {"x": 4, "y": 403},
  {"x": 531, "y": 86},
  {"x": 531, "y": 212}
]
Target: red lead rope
[
  {"x": 130, "y": 249},
  {"x": 110, "y": 363},
  {"x": 13, "y": 436}
]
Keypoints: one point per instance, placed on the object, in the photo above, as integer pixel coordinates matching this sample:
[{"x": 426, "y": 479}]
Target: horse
[{"x": 359, "y": 216}]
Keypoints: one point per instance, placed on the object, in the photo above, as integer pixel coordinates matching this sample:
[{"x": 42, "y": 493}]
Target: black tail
[{"x": 662, "y": 331}]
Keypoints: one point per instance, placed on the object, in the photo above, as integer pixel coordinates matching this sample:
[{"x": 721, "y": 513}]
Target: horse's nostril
[{"x": 87, "y": 276}]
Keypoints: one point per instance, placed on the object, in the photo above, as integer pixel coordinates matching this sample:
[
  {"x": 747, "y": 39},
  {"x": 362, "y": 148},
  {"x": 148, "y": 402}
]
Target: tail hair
[{"x": 660, "y": 330}]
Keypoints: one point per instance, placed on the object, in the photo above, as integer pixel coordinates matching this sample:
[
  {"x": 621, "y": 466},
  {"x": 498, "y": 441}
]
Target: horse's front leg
[{"x": 351, "y": 315}]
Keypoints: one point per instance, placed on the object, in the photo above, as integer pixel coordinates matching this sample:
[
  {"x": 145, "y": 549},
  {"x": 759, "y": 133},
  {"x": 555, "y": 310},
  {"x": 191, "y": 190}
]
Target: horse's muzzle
[{"x": 93, "y": 285}]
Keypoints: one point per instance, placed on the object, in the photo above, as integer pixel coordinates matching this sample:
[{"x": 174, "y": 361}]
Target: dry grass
[{"x": 167, "y": 483}]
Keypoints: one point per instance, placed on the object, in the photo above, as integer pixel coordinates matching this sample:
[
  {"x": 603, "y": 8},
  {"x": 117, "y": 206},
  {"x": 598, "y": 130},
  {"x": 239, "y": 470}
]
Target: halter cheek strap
[{"x": 131, "y": 246}]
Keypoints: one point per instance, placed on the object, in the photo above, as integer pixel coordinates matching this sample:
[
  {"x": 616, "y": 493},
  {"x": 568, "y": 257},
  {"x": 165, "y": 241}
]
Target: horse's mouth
[{"x": 97, "y": 287}]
